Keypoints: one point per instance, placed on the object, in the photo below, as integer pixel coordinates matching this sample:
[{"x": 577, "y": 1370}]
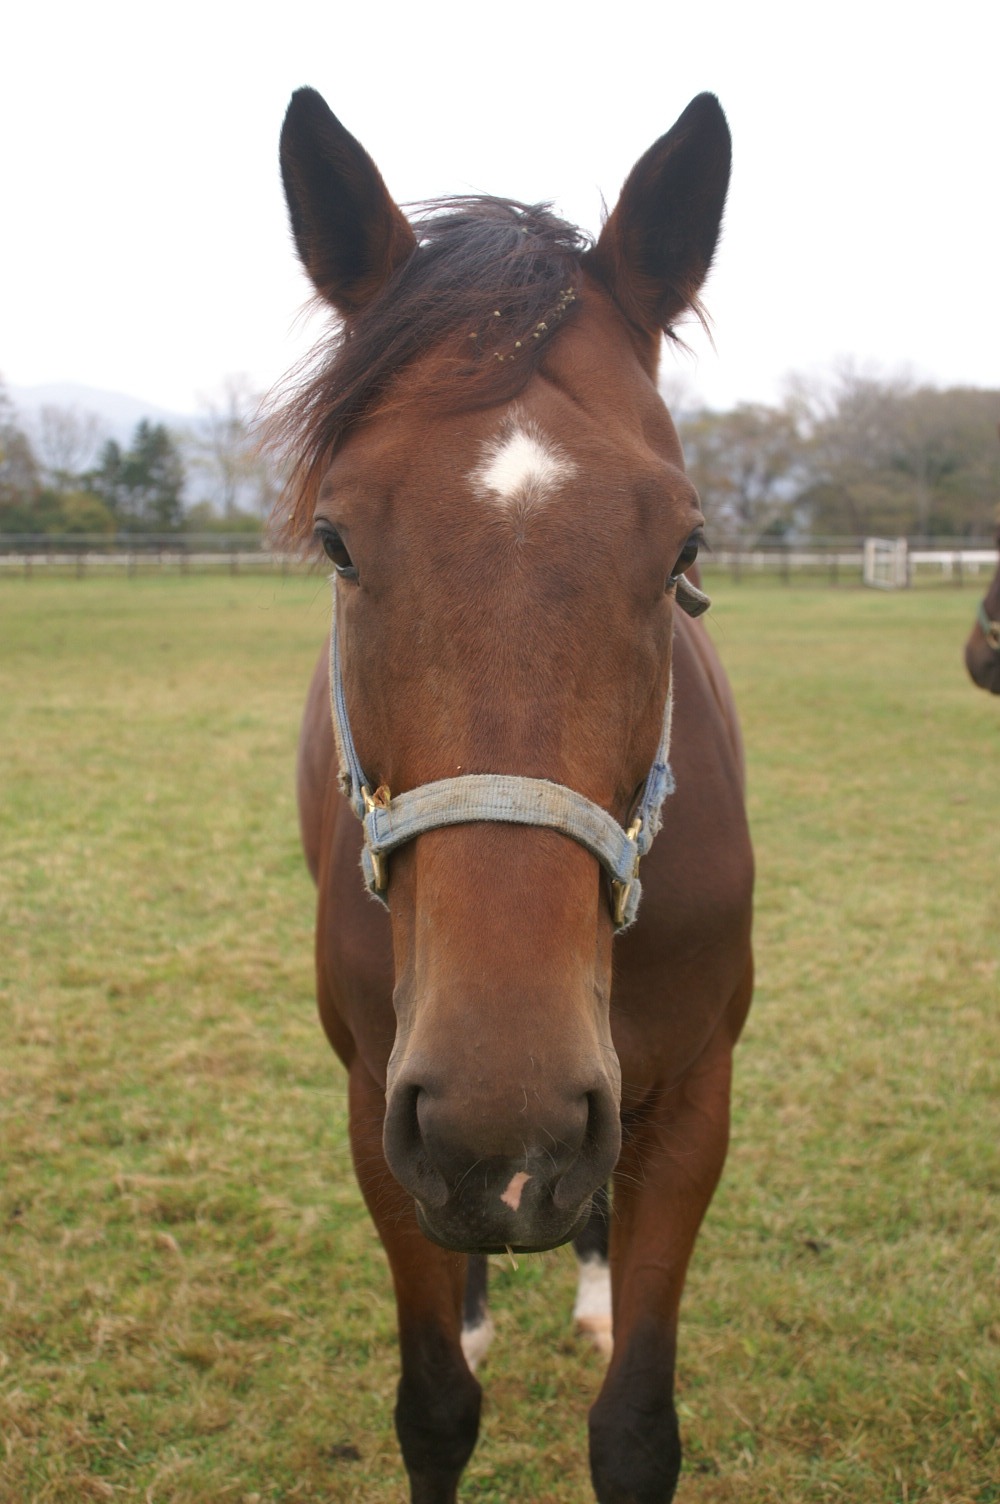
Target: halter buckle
[
  {"x": 620, "y": 889},
  {"x": 380, "y": 866}
]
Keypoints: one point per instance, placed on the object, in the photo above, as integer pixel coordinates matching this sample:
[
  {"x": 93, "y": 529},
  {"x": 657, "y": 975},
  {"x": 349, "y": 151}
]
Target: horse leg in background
[
  {"x": 592, "y": 1310},
  {"x": 438, "y": 1400},
  {"x": 477, "y": 1324},
  {"x": 670, "y": 1165}
]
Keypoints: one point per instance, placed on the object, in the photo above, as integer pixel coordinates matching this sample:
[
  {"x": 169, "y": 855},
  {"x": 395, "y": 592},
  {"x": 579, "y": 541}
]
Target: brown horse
[
  {"x": 982, "y": 648},
  {"x": 483, "y": 454}
]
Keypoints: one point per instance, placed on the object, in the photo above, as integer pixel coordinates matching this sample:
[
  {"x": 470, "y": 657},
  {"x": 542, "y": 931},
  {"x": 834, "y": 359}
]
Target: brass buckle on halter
[
  {"x": 620, "y": 890},
  {"x": 379, "y": 800}
]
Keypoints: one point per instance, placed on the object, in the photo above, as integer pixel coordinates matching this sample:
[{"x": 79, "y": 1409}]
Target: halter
[
  {"x": 991, "y": 629},
  {"x": 390, "y": 821}
]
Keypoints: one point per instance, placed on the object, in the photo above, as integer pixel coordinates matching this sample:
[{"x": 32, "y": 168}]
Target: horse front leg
[
  {"x": 669, "y": 1167},
  {"x": 438, "y": 1400}
]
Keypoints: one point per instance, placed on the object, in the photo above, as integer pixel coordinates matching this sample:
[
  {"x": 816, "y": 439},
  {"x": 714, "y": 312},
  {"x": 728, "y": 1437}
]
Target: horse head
[{"x": 488, "y": 464}]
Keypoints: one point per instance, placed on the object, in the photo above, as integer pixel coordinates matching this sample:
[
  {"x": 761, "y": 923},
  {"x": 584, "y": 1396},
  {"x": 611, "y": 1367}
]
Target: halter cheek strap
[{"x": 390, "y": 821}]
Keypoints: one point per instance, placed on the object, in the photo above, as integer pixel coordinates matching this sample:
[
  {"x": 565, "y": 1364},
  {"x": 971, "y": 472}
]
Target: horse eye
[
  {"x": 335, "y": 550},
  {"x": 687, "y": 556}
]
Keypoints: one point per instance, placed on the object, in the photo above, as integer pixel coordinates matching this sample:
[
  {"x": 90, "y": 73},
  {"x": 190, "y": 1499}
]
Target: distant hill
[{"x": 118, "y": 413}]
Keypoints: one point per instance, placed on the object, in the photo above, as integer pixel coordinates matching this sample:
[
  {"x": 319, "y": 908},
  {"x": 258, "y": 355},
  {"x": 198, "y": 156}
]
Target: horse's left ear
[
  {"x": 350, "y": 234},
  {"x": 656, "y": 248}
]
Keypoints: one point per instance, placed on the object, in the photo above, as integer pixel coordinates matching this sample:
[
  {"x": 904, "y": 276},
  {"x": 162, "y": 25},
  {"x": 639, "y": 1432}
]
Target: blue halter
[{"x": 390, "y": 821}]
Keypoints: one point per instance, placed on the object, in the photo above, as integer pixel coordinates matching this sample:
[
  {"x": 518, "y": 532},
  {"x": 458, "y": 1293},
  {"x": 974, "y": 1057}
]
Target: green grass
[{"x": 193, "y": 1304}]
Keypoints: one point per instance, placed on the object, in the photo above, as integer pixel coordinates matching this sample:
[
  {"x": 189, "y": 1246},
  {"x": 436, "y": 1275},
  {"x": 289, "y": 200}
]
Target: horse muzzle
[{"x": 484, "y": 1180}]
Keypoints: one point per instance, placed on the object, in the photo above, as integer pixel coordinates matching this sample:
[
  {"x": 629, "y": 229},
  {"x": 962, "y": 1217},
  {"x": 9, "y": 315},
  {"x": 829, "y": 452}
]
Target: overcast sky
[{"x": 145, "y": 247}]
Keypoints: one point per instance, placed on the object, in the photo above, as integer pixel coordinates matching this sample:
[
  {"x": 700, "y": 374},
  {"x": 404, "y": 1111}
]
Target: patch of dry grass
[{"x": 193, "y": 1304}]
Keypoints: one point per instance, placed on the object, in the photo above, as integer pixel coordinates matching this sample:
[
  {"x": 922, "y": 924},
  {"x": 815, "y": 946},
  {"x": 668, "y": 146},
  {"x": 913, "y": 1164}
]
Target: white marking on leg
[
  {"x": 592, "y": 1311},
  {"x": 512, "y": 1195},
  {"x": 521, "y": 468},
  {"x": 476, "y": 1340}
]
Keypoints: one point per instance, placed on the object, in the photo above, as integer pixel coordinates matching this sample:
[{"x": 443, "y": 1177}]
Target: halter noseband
[{"x": 390, "y": 821}]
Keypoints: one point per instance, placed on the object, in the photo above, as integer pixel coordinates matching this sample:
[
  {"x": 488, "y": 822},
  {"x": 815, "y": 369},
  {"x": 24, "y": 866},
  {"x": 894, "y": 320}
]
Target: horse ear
[
  {"x": 656, "y": 248},
  {"x": 350, "y": 234}
]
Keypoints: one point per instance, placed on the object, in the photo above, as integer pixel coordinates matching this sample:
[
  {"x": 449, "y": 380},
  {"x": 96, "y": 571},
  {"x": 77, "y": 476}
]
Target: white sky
[{"x": 145, "y": 247}]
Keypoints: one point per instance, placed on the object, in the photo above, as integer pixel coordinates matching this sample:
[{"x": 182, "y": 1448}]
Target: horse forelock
[{"x": 491, "y": 281}]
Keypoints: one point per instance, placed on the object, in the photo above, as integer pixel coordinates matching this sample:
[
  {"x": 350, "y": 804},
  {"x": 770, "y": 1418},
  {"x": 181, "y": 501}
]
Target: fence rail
[
  {"x": 144, "y": 561},
  {"x": 834, "y": 561},
  {"x": 957, "y": 565}
]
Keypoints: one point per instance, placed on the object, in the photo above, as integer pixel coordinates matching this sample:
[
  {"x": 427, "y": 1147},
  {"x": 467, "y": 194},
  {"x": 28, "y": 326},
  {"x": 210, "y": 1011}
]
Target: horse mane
[{"x": 490, "y": 280}]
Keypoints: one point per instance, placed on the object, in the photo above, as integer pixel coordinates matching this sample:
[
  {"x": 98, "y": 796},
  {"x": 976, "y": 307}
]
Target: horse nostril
[
  {"x": 434, "y": 1138},
  {"x": 404, "y": 1149},
  {"x": 598, "y": 1154}
]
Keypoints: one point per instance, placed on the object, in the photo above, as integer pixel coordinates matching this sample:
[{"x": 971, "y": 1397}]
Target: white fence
[
  {"x": 915, "y": 566},
  {"x": 829, "y": 562},
  {"x": 954, "y": 564},
  {"x": 143, "y": 561}
]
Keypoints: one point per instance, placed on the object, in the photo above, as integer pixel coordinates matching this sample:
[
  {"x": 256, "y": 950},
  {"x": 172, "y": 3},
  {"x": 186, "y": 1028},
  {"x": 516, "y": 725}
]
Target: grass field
[{"x": 193, "y": 1304}]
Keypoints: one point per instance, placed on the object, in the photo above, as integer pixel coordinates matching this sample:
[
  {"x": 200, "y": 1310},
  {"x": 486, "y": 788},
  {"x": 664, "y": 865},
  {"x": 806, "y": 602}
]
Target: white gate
[{"x": 886, "y": 563}]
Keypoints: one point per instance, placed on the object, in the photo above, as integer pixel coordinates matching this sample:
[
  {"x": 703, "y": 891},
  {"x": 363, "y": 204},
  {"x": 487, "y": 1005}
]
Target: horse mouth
[{"x": 464, "y": 1227}]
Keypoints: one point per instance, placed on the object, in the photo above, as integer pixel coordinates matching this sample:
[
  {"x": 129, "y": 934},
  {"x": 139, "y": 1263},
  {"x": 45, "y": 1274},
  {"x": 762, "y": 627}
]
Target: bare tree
[
  {"x": 66, "y": 441},
  {"x": 747, "y": 467},
  {"x": 19, "y": 473},
  {"x": 225, "y": 450},
  {"x": 884, "y": 455}
]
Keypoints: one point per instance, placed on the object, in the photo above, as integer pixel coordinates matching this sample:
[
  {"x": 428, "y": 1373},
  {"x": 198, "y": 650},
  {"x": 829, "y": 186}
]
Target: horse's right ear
[{"x": 350, "y": 234}]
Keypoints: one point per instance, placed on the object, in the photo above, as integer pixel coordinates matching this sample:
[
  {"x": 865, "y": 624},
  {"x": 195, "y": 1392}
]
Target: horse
[
  {"x": 481, "y": 452},
  {"x": 982, "y": 647}
]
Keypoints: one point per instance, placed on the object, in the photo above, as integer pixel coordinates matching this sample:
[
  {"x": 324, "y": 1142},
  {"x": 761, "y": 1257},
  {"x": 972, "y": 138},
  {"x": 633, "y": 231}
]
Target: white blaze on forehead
[{"x": 522, "y": 468}]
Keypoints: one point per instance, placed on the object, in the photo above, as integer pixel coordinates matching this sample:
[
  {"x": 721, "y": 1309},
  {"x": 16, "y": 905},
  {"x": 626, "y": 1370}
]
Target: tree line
[
  {"x": 844, "y": 455},
  {"x": 849, "y": 454},
  {"x": 61, "y": 475}
]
